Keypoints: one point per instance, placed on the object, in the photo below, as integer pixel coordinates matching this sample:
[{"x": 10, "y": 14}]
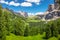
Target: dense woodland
[{"x": 12, "y": 23}]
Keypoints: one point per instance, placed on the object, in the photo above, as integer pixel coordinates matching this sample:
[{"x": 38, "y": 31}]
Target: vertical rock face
[
  {"x": 56, "y": 4},
  {"x": 49, "y": 15},
  {"x": 57, "y": 7},
  {"x": 53, "y": 10},
  {"x": 40, "y": 16},
  {"x": 51, "y": 7},
  {"x": 23, "y": 14},
  {"x": 26, "y": 15}
]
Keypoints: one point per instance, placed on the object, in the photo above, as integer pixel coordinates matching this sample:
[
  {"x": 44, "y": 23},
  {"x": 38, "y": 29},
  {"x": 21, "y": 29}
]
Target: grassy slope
[
  {"x": 36, "y": 37},
  {"x": 34, "y": 20},
  {"x": 14, "y": 37},
  {"x": 53, "y": 38}
]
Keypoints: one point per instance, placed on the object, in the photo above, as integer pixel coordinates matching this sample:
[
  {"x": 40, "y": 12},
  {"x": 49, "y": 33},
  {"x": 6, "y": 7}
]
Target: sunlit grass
[
  {"x": 36, "y": 37},
  {"x": 53, "y": 38},
  {"x": 14, "y": 37},
  {"x": 34, "y": 20}
]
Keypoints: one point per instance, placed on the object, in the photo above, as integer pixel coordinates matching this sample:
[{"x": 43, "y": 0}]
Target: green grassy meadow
[
  {"x": 36, "y": 37},
  {"x": 14, "y": 37}
]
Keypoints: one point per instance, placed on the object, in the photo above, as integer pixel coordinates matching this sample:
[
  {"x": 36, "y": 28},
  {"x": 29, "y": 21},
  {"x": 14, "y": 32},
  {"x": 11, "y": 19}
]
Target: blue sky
[{"x": 29, "y": 6}]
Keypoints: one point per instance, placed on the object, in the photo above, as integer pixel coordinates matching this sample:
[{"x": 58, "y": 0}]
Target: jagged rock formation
[
  {"x": 24, "y": 14},
  {"x": 53, "y": 11},
  {"x": 57, "y": 4},
  {"x": 50, "y": 8},
  {"x": 40, "y": 16}
]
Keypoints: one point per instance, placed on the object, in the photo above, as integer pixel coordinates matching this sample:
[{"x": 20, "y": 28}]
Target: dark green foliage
[
  {"x": 48, "y": 31},
  {"x": 0, "y": 10},
  {"x": 55, "y": 29},
  {"x": 58, "y": 25},
  {"x": 36, "y": 28},
  {"x": 2, "y": 25},
  {"x": 33, "y": 31},
  {"x": 10, "y": 23},
  {"x": 26, "y": 32},
  {"x": 19, "y": 26},
  {"x": 51, "y": 29}
]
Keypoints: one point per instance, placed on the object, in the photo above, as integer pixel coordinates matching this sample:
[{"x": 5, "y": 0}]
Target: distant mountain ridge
[
  {"x": 21, "y": 13},
  {"x": 52, "y": 13}
]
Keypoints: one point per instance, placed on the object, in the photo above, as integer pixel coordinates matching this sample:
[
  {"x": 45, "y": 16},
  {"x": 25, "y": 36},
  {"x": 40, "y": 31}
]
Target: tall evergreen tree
[
  {"x": 2, "y": 25},
  {"x": 26, "y": 32}
]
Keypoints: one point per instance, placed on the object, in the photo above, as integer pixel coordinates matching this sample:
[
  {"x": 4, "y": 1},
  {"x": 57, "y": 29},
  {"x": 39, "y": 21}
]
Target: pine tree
[
  {"x": 2, "y": 25},
  {"x": 26, "y": 32},
  {"x": 48, "y": 32}
]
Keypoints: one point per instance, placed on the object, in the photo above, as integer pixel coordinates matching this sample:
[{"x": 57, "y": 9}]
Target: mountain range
[{"x": 52, "y": 13}]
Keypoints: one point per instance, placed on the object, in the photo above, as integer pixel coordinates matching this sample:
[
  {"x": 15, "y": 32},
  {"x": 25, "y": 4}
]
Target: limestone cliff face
[
  {"x": 51, "y": 8},
  {"x": 53, "y": 11},
  {"x": 56, "y": 4},
  {"x": 23, "y": 14}
]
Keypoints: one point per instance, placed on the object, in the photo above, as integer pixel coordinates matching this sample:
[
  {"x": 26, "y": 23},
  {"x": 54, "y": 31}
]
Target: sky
[{"x": 29, "y": 6}]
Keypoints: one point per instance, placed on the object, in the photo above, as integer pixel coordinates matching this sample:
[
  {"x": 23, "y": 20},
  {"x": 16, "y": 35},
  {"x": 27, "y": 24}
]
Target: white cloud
[
  {"x": 2, "y": 1},
  {"x": 34, "y": 1},
  {"x": 10, "y": 3},
  {"x": 26, "y": 4},
  {"x": 31, "y": 14},
  {"x": 14, "y": 4},
  {"x": 39, "y": 13},
  {"x": 37, "y": 3}
]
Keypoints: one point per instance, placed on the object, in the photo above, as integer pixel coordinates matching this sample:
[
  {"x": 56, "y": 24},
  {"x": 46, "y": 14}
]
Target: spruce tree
[{"x": 2, "y": 25}]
